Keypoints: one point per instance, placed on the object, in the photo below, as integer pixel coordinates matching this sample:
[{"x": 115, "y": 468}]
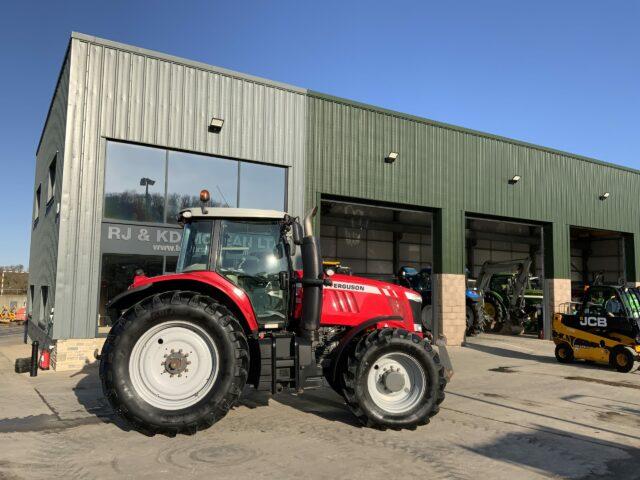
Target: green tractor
[{"x": 513, "y": 299}]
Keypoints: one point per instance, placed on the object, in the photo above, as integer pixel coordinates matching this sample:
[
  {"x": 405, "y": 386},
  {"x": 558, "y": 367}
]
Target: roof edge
[
  {"x": 53, "y": 96},
  {"x": 478, "y": 133},
  {"x": 186, "y": 62}
]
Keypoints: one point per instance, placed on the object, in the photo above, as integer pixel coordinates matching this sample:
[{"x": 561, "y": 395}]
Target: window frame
[
  {"x": 52, "y": 183},
  {"x": 44, "y": 302},
  {"x": 37, "y": 204}
]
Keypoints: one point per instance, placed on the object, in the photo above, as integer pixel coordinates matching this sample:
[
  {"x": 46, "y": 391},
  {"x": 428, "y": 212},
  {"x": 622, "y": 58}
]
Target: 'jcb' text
[{"x": 593, "y": 322}]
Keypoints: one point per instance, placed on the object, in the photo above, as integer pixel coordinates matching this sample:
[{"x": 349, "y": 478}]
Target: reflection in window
[
  {"x": 190, "y": 173},
  {"x": 262, "y": 186},
  {"x": 134, "y": 183},
  {"x": 117, "y": 275},
  {"x": 196, "y": 244},
  {"x": 170, "y": 264}
]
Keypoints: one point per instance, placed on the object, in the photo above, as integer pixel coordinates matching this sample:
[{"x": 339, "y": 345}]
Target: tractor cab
[
  {"x": 610, "y": 309},
  {"x": 250, "y": 248}
]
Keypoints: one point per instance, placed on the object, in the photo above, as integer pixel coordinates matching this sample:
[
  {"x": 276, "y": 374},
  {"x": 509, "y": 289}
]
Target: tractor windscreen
[{"x": 196, "y": 246}]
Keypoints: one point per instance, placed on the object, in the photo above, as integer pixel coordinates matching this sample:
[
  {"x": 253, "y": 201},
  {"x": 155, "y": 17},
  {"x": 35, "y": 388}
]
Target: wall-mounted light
[
  {"x": 392, "y": 157},
  {"x": 216, "y": 125},
  {"x": 515, "y": 179},
  {"x": 604, "y": 196}
]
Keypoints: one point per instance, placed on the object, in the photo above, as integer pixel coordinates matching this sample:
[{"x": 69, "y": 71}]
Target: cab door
[{"x": 252, "y": 255}]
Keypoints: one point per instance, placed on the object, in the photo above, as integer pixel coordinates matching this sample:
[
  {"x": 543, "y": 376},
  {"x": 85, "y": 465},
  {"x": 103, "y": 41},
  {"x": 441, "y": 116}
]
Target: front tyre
[
  {"x": 394, "y": 379},
  {"x": 564, "y": 353},
  {"x": 622, "y": 360},
  {"x": 174, "y": 363}
]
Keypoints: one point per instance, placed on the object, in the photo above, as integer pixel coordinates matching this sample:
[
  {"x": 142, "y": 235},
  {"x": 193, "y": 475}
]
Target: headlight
[{"x": 414, "y": 297}]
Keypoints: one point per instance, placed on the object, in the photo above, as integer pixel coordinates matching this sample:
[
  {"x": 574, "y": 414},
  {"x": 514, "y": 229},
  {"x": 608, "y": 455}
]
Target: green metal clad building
[{"x": 448, "y": 202}]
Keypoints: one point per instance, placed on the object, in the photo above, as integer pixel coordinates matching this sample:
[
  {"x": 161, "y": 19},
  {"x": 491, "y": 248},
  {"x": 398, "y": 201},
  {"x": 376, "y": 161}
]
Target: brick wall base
[
  {"x": 75, "y": 353},
  {"x": 449, "y": 307},
  {"x": 559, "y": 293}
]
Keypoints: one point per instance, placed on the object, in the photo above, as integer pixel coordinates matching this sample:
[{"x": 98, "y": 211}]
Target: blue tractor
[{"x": 420, "y": 281}]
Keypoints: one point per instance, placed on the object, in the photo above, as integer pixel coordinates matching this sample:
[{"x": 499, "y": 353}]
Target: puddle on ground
[
  {"x": 503, "y": 370},
  {"x": 619, "y": 418}
]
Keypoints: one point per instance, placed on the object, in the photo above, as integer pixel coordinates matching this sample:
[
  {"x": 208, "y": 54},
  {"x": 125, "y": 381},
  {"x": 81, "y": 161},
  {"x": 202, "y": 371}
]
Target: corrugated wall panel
[
  {"x": 129, "y": 95},
  {"x": 445, "y": 167},
  {"x": 43, "y": 254}
]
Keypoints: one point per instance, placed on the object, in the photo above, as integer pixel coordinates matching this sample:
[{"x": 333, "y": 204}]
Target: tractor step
[{"x": 280, "y": 363}]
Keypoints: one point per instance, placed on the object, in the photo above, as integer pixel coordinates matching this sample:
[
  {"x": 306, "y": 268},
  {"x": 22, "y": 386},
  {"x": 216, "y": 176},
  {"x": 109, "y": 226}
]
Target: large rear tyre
[
  {"x": 564, "y": 353},
  {"x": 470, "y": 317},
  {"x": 174, "y": 363},
  {"x": 394, "y": 379},
  {"x": 622, "y": 359},
  {"x": 496, "y": 314},
  {"x": 475, "y": 318}
]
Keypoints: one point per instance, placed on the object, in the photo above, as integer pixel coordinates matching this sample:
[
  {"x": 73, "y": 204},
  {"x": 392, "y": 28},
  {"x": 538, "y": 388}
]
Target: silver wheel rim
[
  {"x": 173, "y": 365},
  {"x": 412, "y": 374}
]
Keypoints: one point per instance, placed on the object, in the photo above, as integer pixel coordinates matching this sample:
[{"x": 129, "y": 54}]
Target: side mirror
[{"x": 297, "y": 233}]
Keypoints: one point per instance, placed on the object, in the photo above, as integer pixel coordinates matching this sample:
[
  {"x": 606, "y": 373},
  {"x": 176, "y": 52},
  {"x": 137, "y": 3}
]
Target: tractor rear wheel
[
  {"x": 475, "y": 318},
  {"x": 470, "y": 317},
  {"x": 496, "y": 314},
  {"x": 394, "y": 379},
  {"x": 174, "y": 363}
]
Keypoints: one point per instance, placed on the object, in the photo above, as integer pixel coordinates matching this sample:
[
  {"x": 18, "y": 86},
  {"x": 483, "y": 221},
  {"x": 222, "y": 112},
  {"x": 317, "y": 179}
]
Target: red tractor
[{"x": 241, "y": 311}]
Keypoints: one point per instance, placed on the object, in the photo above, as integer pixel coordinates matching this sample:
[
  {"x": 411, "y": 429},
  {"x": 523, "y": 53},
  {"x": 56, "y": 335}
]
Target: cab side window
[{"x": 602, "y": 302}]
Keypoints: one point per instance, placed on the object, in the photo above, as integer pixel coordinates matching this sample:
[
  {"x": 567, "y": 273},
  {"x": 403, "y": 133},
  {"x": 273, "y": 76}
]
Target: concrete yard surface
[{"x": 511, "y": 412}]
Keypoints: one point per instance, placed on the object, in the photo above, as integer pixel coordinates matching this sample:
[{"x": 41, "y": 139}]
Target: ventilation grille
[{"x": 342, "y": 301}]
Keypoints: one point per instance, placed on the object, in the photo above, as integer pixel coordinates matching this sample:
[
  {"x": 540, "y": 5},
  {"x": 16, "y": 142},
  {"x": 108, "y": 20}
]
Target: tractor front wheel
[
  {"x": 394, "y": 379},
  {"x": 174, "y": 363}
]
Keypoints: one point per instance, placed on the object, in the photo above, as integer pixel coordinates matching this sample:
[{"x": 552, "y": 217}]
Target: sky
[{"x": 563, "y": 74}]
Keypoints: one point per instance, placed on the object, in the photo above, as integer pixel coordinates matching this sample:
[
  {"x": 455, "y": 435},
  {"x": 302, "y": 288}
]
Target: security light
[
  {"x": 391, "y": 157},
  {"x": 604, "y": 196},
  {"x": 216, "y": 125},
  {"x": 144, "y": 181},
  {"x": 515, "y": 179}
]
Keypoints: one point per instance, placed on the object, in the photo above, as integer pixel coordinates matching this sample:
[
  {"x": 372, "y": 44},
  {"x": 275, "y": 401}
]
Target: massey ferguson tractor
[{"x": 240, "y": 311}]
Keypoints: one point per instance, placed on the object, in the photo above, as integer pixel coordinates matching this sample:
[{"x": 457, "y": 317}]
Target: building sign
[{"x": 140, "y": 240}]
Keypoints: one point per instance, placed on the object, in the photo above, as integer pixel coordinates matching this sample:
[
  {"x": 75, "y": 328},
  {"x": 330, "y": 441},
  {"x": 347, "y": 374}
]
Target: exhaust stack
[{"x": 312, "y": 280}]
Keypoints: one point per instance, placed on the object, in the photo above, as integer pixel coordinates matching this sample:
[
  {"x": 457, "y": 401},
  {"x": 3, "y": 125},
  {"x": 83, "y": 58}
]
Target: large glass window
[
  {"x": 117, "y": 275},
  {"x": 145, "y": 184},
  {"x": 135, "y": 183},
  {"x": 262, "y": 186},
  {"x": 190, "y": 173}
]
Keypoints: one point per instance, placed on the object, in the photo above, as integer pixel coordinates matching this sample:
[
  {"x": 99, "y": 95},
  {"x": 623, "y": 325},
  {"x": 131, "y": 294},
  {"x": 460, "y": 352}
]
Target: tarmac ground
[{"x": 511, "y": 412}]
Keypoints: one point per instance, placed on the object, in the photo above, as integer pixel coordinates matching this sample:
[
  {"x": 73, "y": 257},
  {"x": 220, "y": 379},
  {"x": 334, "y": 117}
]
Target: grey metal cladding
[
  {"x": 130, "y": 94},
  {"x": 43, "y": 254}
]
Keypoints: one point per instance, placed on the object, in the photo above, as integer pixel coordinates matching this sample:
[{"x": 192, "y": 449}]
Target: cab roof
[{"x": 223, "y": 212}]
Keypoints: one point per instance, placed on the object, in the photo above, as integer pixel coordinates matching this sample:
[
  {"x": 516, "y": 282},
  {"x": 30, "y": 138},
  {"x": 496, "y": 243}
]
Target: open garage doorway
[
  {"x": 375, "y": 241},
  {"x": 597, "y": 258},
  {"x": 504, "y": 261}
]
